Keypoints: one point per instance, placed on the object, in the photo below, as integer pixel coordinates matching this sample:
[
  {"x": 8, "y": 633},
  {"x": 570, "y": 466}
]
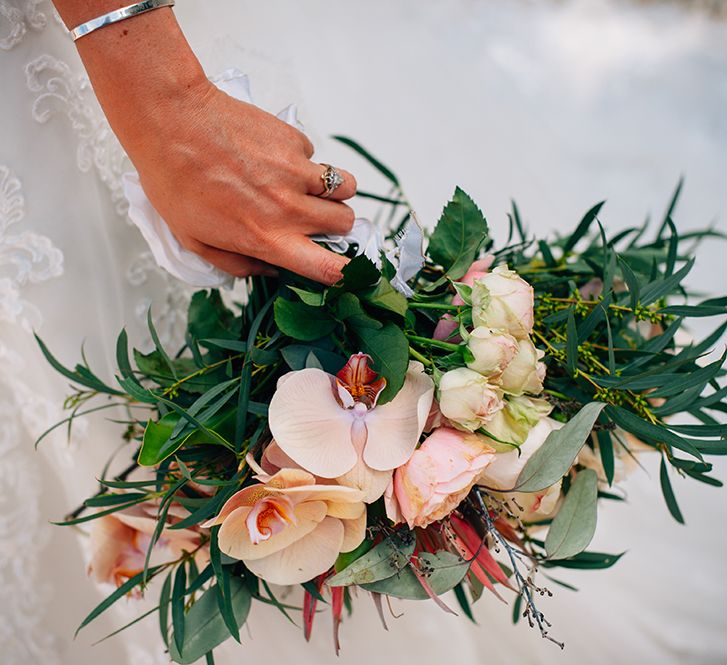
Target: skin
[{"x": 235, "y": 184}]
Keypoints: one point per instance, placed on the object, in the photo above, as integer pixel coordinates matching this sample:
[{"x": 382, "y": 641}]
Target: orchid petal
[
  {"x": 394, "y": 428},
  {"x": 310, "y": 426},
  {"x": 335, "y": 493},
  {"x": 234, "y": 537},
  {"x": 244, "y": 498},
  {"x": 307, "y": 557},
  {"x": 108, "y": 538},
  {"x": 354, "y": 531},
  {"x": 346, "y": 511},
  {"x": 289, "y": 478},
  {"x": 274, "y": 459},
  {"x": 371, "y": 482}
]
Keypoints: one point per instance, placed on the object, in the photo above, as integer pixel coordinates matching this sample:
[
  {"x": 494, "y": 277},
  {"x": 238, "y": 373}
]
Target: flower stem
[
  {"x": 425, "y": 341},
  {"x": 435, "y": 305},
  {"x": 421, "y": 358}
]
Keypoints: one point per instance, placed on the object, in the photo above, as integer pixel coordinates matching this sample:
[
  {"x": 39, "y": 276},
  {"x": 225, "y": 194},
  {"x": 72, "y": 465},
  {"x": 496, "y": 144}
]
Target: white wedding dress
[{"x": 556, "y": 104}]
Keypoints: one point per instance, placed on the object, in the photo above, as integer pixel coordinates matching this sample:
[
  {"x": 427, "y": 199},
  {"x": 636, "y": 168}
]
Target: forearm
[{"x": 139, "y": 67}]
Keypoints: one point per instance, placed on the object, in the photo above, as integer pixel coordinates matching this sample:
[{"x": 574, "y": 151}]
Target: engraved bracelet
[{"x": 118, "y": 15}]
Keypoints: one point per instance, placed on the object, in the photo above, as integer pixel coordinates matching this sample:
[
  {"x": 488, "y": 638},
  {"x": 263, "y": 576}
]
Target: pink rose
[
  {"x": 436, "y": 479},
  {"x": 447, "y": 326}
]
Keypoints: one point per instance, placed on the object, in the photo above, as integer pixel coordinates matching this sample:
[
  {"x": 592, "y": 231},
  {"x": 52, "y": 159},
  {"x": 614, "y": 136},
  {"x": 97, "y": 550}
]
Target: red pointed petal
[
  {"x": 309, "y": 612},
  {"x": 508, "y": 532},
  {"x": 379, "y": 608},
  {"x": 337, "y": 610},
  {"x": 430, "y": 591},
  {"x": 473, "y": 541}
]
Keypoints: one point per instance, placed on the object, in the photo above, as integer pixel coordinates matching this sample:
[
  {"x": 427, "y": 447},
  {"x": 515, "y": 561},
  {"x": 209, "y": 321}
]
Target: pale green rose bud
[
  {"x": 525, "y": 374},
  {"x": 503, "y": 300},
  {"x": 467, "y": 399},
  {"x": 513, "y": 423},
  {"x": 492, "y": 351}
]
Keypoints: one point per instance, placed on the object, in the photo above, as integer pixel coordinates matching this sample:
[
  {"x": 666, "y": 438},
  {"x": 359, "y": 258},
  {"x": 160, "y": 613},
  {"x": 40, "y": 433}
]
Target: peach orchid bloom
[
  {"x": 119, "y": 542},
  {"x": 287, "y": 529},
  {"x": 332, "y": 427}
]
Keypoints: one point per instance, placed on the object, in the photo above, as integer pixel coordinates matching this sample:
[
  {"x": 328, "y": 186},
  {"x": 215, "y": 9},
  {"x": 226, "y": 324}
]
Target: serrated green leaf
[
  {"x": 301, "y": 321},
  {"x": 385, "y": 296},
  {"x": 313, "y": 298},
  {"x": 460, "y": 232},
  {"x": 389, "y": 349}
]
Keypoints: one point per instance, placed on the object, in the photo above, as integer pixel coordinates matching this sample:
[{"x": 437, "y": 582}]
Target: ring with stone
[{"x": 332, "y": 180}]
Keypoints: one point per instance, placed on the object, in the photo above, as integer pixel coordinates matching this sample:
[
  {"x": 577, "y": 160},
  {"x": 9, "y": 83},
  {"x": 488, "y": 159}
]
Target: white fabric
[{"x": 557, "y": 104}]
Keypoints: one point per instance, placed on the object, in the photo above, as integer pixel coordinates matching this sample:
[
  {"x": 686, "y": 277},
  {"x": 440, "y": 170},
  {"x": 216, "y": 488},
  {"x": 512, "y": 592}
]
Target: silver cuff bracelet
[{"x": 118, "y": 15}]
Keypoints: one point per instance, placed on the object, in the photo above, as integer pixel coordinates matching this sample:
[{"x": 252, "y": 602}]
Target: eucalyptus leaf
[
  {"x": 443, "y": 572},
  {"x": 553, "y": 459},
  {"x": 204, "y": 627},
  {"x": 386, "y": 559},
  {"x": 575, "y": 523}
]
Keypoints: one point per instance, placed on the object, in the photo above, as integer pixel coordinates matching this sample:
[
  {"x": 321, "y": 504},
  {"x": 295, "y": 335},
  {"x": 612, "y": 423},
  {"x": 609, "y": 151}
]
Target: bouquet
[{"x": 447, "y": 417}]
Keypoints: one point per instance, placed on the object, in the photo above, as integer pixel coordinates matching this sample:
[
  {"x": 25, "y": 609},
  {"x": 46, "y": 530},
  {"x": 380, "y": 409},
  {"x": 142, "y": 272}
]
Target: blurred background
[{"x": 556, "y": 104}]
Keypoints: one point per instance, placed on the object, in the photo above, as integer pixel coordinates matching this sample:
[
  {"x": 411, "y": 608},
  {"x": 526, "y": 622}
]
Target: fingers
[
  {"x": 302, "y": 256},
  {"x": 324, "y": 216},
  {"x": 316, "y": 186},
  {"x": 234, "y": 264}
]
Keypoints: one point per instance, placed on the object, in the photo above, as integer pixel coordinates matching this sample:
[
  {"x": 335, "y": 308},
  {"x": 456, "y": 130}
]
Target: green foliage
[
  {"x": 204, "y": 628},
  {"x": 575, "y": 523},
  {"x": 460, "y": 232},
  {"x": 443, "y": 571},
  {"x": 386, "y": 559},
  {"x": 608, "y": 311},
  {"x": 552, "y": 460}
]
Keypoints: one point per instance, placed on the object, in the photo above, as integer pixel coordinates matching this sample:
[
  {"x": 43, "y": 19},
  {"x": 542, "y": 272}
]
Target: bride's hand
[{"x": 235, "y": 184}]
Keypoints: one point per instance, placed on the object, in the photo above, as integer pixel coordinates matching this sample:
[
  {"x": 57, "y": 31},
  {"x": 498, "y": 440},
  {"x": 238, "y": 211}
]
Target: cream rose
[
  {"x": 467, "y": 399},
  {"x": 526, "y": 372},
  {"x": 502, "y": 474},
  {"x": 501, "y": 299},
  {"x": 513, "y": 423},
  {"x": 492, "y": 351}
]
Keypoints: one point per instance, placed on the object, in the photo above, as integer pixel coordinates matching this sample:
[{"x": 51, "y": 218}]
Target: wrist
[{"x": 143, "y": 71}]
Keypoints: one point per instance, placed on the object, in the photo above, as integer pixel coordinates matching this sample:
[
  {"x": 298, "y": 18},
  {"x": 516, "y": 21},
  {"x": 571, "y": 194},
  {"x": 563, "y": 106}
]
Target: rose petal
[
  {"x": 309, "y": 425},
  {"x": 304, "y": 559}
]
